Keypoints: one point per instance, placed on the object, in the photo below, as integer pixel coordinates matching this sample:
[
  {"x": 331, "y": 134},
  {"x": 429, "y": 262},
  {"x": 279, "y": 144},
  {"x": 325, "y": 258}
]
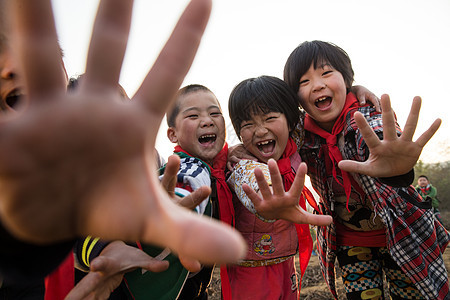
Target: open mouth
[
  {"x": 266, "y": 147},
  {"x": 13, "y": 98},
  {"x": 323, "y": 102},
  {"x": 207, "y": 139}
]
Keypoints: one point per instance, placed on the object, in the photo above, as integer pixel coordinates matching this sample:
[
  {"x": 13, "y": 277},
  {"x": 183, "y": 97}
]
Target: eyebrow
[{"x": 196, "y": 108}]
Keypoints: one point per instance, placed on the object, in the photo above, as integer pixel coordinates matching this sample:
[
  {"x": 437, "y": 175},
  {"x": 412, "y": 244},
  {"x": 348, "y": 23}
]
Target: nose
[
  {"x": 8, "y": 69},
  {"x": 318, "y": 84},
  {"x": 206, "y": 121},
  {"x": 261, "y": 130}
]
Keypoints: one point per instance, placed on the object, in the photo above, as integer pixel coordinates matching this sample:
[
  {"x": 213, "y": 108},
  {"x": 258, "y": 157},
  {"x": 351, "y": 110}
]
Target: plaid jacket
[{"x": 415, "y": 240}]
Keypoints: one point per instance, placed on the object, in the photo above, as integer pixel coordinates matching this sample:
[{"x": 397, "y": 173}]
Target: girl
[{"x": 262, "y": 116}]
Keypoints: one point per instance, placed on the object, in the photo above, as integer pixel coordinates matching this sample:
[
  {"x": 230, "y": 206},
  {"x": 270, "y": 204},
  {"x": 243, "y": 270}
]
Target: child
[
  {"x": 197, "y": 126},
  {"x": 378, "y": 222},
  {"x": 262, "y": 116},
  {"x": 429, "y": 193}
]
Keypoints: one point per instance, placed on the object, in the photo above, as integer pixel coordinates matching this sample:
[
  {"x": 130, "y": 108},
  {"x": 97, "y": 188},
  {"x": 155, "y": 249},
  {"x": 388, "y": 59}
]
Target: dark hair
[
  {"x": 317, "y": 52},
  {"x": 262, "y": 94},
  {"x": 423, "y": 177},
  {"x": 175, "y": 110}
]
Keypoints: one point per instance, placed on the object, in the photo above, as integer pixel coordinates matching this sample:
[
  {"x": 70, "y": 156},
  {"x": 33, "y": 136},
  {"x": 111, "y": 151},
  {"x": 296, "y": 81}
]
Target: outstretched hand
[
  {"x": 108, "y": 269},
  {"x": 275, "y": 203},
  {"x": 393, "y": 155},
  {"x": 83, "y": 163},
  {"x": 169, "y": 182}
]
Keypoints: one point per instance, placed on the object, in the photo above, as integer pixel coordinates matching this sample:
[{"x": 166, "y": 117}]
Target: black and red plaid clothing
[{"x": 415, "y": 241}]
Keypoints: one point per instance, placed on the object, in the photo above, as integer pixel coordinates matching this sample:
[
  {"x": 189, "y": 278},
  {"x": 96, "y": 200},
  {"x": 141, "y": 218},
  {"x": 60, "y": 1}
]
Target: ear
[{"x": 172, "y": 135}]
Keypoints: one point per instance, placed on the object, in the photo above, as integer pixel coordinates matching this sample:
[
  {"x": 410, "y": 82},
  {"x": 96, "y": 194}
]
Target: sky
[{"x": 399, "y": 48}]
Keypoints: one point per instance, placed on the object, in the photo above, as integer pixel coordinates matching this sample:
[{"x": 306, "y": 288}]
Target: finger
[
  {"x": 376, "y": 102},
  {"x": 86, "y": 286},
  {"x": 275, "y": 176},
  {"x": 194, "y": 199},
  {"x": 192, "y": 265},
  {"x": 354, "y": 167},
  {"x": 367, "y": 132},
  {"x": 428, "y": 134},
  {"x": 194, "y": 236},
  {"x": 252, "y": 195},
  {"x": 108, "y": 44},
  {"x": 263, "y": 186},
  {"x": 411, "y": 122},
  {"x": 304, "y": 217},
  {"x": 174, "y": 61},
  {"x": 169, "y": 179},
  {"x": 299, "y": 181},
  {"x": 36, "y": 47},
  {"x": 389, "y": 129}
]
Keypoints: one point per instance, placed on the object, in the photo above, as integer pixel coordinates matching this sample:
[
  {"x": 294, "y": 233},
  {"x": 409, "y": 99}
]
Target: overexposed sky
[{"x": 400, "y": 47}]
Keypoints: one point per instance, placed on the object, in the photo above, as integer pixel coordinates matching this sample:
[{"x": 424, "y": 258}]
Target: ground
[{"x": 313, "y": 285}]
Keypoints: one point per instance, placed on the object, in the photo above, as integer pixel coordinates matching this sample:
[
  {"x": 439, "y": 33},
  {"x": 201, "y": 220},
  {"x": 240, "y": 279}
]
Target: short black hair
[
  {"x": 424, "y": 176},
  {"x": 262, "y": 94},
  {"x": 175, "y": 110},
  {"x": 317, "y": 52}
]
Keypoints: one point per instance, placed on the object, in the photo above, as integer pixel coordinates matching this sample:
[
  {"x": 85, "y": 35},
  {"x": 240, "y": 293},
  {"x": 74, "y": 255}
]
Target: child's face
[
  {"x": 322, "y": 94},
  {"x": 265, "y": 135},
  {"x": 10, "y": 84},
  {"x": 199, "y": 126},
  {"x": 422, "y": 182}
]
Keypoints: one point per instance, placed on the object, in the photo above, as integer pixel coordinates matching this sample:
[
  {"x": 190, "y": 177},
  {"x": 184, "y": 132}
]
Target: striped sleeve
[{"x": 86, "y": 249}]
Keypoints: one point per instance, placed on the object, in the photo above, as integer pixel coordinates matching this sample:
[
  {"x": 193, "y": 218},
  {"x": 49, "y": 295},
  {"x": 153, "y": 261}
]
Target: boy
[
  {"x": 197, "y": 127},
  {"x": 429, "y": 193},
  {"x": 378, "y": 222}
]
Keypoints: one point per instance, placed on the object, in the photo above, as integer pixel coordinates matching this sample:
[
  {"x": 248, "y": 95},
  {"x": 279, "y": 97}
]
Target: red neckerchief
[
  {"x": 425, "y": 190},
  {"x": 225, "y": 200},
  {"x": 305, "y": 243},
  {"x": 350, "y": 107}
]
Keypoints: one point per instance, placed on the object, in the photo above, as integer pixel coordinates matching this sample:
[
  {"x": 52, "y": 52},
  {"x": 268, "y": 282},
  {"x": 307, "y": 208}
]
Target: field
[{"x": 313, "y": 285}]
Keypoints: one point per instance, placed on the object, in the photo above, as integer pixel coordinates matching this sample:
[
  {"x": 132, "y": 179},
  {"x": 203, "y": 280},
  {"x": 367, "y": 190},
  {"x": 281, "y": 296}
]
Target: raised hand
[
  {"x": 393, "y": 155},
  {"x": 169, "y": 182},
  {"x": 275, "y": 203},
  {"x": 83, "y": 163},
  {"x": 108, "y": 268}
]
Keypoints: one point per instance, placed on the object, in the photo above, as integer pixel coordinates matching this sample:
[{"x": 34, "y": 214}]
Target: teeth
[
  {"x": 208, "y": 136},
  {"x": 264, "y": 143},
  {"x": 321, "y": 99}
]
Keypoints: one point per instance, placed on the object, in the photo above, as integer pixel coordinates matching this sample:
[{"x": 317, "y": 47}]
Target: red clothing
[{"x": 61, "y": 281}]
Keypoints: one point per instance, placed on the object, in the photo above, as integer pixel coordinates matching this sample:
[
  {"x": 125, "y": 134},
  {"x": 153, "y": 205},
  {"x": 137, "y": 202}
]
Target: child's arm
[
  {"x": 275, "y": 203},
  {"x": 83, "y": 163},
  {"x": 393, "y": 155},
  {"x": 236, "y": 153},
  {"x": 108, "y": 268}
]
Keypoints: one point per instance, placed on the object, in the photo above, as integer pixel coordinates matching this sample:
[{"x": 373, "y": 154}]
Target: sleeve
[
  {"x": 25, "y": 262},
  {"x": 86, "y": 249},
  {"x": 243, "y": 172}
]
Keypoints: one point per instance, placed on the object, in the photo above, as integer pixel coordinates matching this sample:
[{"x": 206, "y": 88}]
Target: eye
[
  {"x": 193, "y": 116},
  {"x": 304, "y": 82},
  {"x": 327, "y": 73},
  {"x": 215, "y": 114},
  {"x": 246, "y": 124}
]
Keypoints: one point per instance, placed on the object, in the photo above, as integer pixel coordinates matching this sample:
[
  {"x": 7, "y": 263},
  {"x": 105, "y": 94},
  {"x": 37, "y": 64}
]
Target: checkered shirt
[{"x": 415, "y": 240}]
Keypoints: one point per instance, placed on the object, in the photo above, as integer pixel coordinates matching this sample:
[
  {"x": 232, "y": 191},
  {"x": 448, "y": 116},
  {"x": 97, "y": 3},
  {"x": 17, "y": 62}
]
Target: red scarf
[
  {"x": 225, "y": 200},
  {"x": 425, "y": 190},
  {"x": 334, "y": 155},
  {"x": 305, "y": 243}
]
